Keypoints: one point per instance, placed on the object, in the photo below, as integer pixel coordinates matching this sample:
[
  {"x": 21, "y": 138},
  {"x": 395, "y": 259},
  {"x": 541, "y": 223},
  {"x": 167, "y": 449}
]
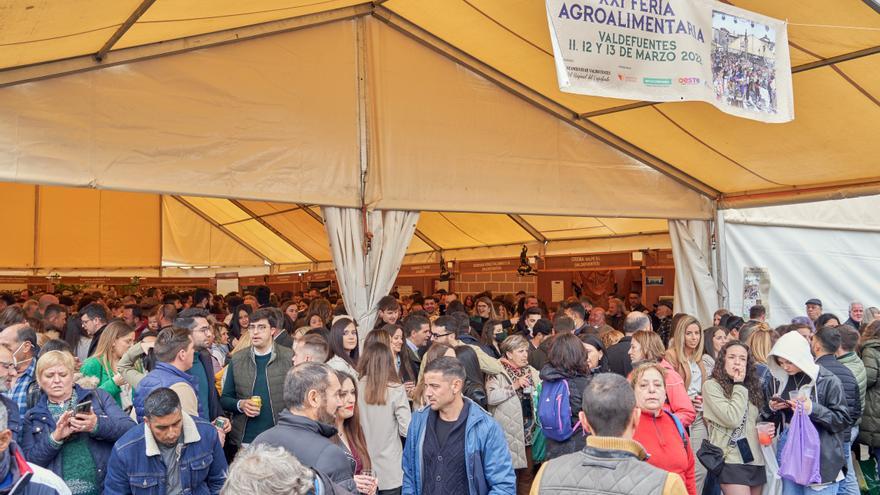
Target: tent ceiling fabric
[
  {"x": 204, "y": 122},
  {"x": 84, "y": 228},
  {"x": 497, "y": 153},
  {"x": 229, "y": 120}
]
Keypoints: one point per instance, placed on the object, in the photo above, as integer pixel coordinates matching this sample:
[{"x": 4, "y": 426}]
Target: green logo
[{"x": 656, "y": 81}]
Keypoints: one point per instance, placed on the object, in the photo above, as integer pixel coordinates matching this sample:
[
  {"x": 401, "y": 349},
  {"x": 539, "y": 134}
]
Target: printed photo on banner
[
  {"x": 743, "y": 63},
  {"x": 674, "y": 51}
]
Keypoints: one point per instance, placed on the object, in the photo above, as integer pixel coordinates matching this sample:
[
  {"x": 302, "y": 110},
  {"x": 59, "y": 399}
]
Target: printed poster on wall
[
  {"x": 756, "y": 289},
  {"x": 674, "y": 50}
]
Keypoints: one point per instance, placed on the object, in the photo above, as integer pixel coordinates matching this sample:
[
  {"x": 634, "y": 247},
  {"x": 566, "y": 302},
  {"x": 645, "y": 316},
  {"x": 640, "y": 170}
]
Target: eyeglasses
[{"x": 439, "y": 335}]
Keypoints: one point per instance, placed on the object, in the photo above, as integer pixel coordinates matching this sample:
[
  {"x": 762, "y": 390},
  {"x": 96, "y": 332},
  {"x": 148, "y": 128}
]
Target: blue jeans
[
  {"x": 849, "y": 485},
  {"x": 792, "y": 488}
]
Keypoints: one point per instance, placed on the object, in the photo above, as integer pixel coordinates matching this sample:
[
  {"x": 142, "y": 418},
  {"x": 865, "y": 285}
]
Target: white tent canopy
[{"x": 828, "y": 250}]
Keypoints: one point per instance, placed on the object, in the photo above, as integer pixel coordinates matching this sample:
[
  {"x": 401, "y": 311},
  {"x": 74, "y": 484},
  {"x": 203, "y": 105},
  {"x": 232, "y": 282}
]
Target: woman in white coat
[
  {"x": 511, "y": 402},
  {"x": 385, "y": 415}
]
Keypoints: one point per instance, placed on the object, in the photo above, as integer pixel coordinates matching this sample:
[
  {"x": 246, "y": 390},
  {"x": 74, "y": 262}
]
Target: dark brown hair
[
  {"x": 751, "y": 382},
  {"x": 352, "y": 426},
  {"x": 376, "y": 367},
  {"x": 567, "y": 355},
  {"x": 170, "y": 342}
]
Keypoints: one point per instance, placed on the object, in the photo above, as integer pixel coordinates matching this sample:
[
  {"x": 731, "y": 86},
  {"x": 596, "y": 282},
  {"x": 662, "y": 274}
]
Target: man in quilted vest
[
  {"x": 257, "y": 372},
  {"x": 612, "y": 462}
]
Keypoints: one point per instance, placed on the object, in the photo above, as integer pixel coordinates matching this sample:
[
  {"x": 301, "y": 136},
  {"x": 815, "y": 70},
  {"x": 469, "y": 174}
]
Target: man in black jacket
[
  {"x": 825, "y": 344},
  {"x": 93, "y": 319},
  {"x": 618, "y": 354},
  {"x": 311, "y": 393},
  {"x": 196, "y": 321}
]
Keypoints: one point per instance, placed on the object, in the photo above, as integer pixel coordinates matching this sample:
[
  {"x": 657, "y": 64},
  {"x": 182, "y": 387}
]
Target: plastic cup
[
  {"x": 796, "y": 395},
  {"x": 765, "y": 433},
  {"x": 257, "y": 401}
]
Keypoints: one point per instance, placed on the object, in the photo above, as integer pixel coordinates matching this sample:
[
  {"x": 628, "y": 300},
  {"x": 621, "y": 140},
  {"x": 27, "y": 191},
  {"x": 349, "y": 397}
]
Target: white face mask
[{"x": 15, "y": 360}]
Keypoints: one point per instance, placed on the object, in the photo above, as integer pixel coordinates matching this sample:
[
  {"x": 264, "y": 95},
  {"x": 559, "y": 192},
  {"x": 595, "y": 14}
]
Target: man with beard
[
  {"x": 311, "y": 395},
  {"x": 21, "y": 387},
  {"x": 54, "y": 321},
  {"x": 196, "y": 321},
  {"x": 7, "y": 377},
  {"x": 171, "y": 447},
  {"x": 93, "y": 319}
]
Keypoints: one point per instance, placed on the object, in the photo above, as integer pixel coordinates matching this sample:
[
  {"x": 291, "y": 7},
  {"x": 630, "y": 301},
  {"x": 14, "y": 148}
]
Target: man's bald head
[{"x": 46, "y": 300}]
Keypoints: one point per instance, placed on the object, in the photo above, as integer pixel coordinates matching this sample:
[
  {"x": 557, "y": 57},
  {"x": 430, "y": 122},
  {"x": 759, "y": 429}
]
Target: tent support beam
[
  {"x": 36, "y": 227},
  {"x": 427, "y": 240},
  {"x": 820, "y": 192},
  {"x": 528, "y": 227},
  {"x": 794, "y": 70},
  {"x": 223, "y": 229},
  {"x": 120, "y": 32},
  {"x": 451, "y": 252},
  {"x": 521, "y": 90},
  {"x": 311, "y": 213},
  {"x": 47, "y": 70},
  {"x": 272, "y": 229}
]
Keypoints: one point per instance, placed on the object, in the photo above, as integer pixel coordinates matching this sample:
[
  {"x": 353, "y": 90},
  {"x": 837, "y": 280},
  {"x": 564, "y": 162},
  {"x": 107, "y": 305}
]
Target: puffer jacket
[
  {"x": 829, "y": 415},
  {"x": 505, "y": 407},
  {"x": 39, "y": 424},
  {"x": 679, "y": 402},
  {"x": 852, "y": 361},
  {"x": 849, "y": 383},
  {"x": 310, "y": 442},
  {"x": 869, "y": 430}
]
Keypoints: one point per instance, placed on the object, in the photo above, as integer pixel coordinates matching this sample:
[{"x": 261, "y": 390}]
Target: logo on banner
[
  {"x": 656, "y": 82},
  {"x": 686, "y": 81}
]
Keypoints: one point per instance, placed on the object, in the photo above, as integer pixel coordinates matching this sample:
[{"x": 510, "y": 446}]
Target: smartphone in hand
[{"x": 84, "y": 407}]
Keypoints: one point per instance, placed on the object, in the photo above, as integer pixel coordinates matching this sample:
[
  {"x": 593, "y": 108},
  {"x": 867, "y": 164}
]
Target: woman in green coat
[
  {"x": 869, "y": 350},
  {"x": 115, "y": 341}
]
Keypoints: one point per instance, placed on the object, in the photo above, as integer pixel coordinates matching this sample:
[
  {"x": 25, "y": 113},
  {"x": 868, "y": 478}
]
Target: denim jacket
[
  {"x": 136, "y": 465},
  {"x": 489, "y": 468}
]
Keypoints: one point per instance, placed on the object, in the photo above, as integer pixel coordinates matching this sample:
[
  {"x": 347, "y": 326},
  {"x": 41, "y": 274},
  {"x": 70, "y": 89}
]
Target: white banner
[{"x": 674, "y": 50}]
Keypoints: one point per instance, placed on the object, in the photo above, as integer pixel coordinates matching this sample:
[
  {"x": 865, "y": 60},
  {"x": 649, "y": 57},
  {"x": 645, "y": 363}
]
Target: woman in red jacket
[
  {"x": 660, "y": 433},
  {"x": 646, "y": 347}
]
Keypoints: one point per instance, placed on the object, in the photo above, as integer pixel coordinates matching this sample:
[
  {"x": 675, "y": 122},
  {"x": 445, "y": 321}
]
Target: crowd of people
[
  {"x": 260, "y": 394},
  {"x": 744, "y": 80}
]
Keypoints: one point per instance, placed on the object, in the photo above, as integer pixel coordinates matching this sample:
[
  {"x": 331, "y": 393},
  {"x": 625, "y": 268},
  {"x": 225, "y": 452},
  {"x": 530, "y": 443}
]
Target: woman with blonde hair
[
  {"x": 760, "y": 342},
  {"x": 646, "y": 346},
  {"x": 115, "y": 341},
  {"x": 73, "y": 442},
  {"x": 685, "y": 354}
]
